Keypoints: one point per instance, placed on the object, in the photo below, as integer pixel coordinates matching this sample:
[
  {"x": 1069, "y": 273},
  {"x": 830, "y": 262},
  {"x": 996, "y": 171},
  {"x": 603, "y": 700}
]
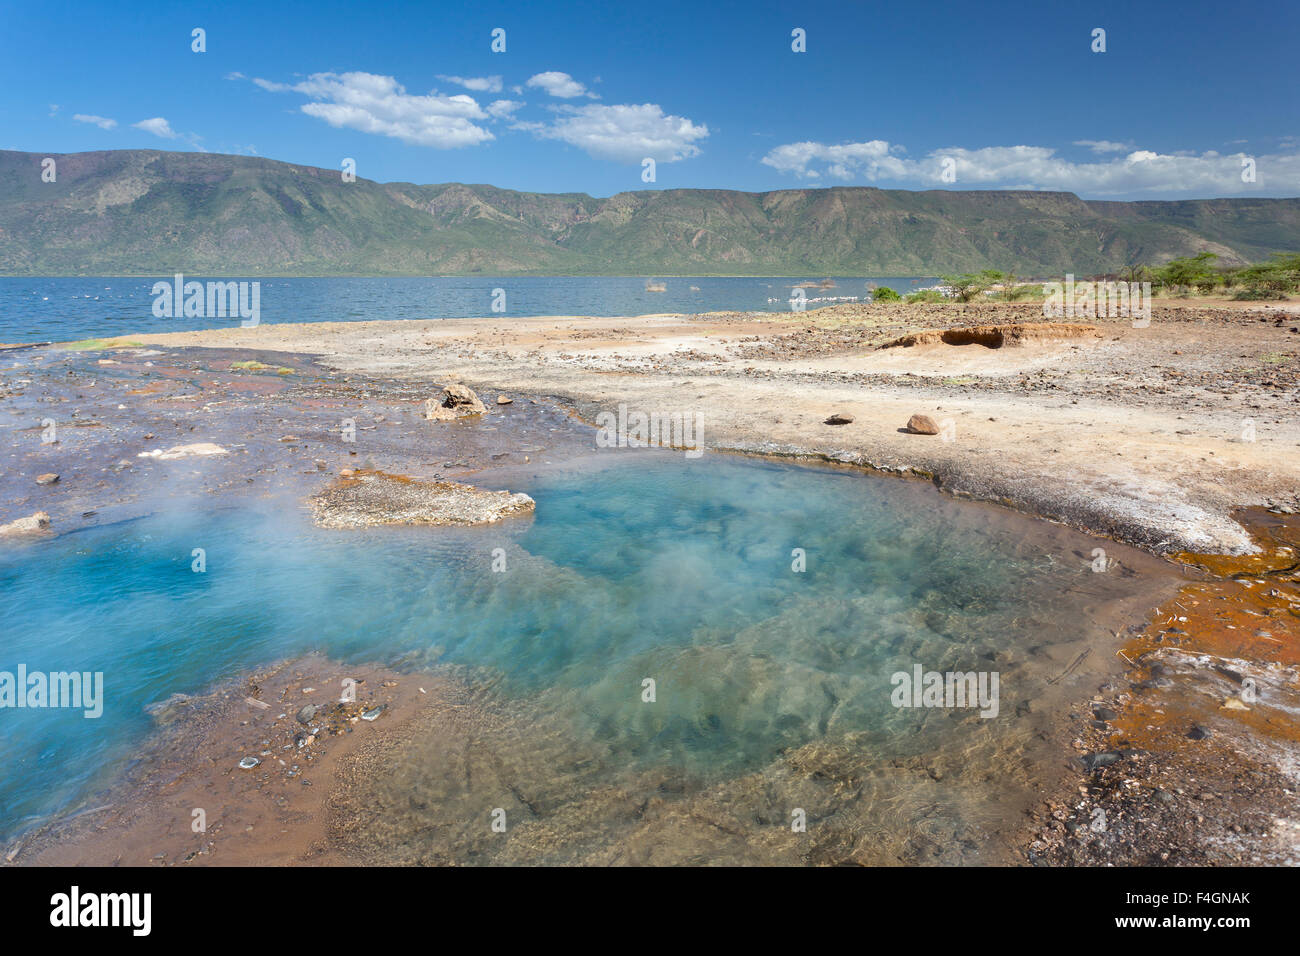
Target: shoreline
[{"x": 1036, "y": 427}]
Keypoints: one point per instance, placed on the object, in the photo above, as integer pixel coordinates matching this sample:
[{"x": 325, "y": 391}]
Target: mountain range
[{"x": 150, "y": 212}]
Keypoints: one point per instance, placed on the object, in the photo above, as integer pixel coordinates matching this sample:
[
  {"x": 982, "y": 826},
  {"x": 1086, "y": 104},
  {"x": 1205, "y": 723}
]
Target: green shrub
[{"x": 885, "y": 294}]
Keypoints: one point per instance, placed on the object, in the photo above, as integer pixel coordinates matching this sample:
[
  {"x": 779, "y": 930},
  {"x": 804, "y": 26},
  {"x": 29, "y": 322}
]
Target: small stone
[
  {"x": 373, "y": 714},
  {"x": 839, "y": 418},
  {"x": 306, "y": 713},
  {"x": 505, "y": 400},
  {"x": 248, "y": 763},
  {"x": 47, "y": 479},
  {"x": 922, "y": 425},
  {"x": 1198, "y": 733}
]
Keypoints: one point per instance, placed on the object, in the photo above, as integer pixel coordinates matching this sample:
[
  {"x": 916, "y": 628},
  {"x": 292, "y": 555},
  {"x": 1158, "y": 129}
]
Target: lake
[{"x": 65, "y": 309}]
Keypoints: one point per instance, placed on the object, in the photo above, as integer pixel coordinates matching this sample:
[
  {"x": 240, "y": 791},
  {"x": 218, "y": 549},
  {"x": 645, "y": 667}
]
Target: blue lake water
[
  {"x": 63, "y": 309},
  {"x": 679, "y": 571}
]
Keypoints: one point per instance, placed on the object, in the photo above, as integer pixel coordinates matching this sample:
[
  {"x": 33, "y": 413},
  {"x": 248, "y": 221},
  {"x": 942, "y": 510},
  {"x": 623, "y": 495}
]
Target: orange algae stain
[
  {"x": 1225, "y": 651},
  {"x": 153, "y": 388}
]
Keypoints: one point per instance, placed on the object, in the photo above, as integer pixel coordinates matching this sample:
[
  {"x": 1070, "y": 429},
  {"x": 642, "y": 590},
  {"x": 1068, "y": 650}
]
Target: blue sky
[{"x": 897, "y": 95}]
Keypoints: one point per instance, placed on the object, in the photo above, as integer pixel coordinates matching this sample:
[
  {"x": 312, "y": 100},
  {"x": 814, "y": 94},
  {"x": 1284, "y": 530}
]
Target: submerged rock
[
  {"x": 922, "y": 425},
  {"x": 169, "y": 710},
  {"x": 377, "y": 498},
  {"x": 456, "y": 400},
  {"x": 47, "y": 479},
  {"x": 33, "y": 524},
  {"x": 1103, "y": 759}
]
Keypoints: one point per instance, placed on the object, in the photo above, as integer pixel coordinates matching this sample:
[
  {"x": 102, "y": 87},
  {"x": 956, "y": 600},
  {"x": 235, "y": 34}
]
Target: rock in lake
[
  {"x": 47, "y": 479},
  {"x": 375, "y": 498},
  {"x": 34, "y": 524},
  {"x": 922, "y": 425},
  {"x": 505, "y": 400},
  {"x": 456, "y": 400}
]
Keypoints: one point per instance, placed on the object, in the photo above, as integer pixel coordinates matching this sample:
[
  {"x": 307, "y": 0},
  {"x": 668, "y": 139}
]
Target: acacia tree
[
  {"x": 1184, "y": 273},
  {"x": 1135, "y": 274},
  {"x": 970, "y": 285}
]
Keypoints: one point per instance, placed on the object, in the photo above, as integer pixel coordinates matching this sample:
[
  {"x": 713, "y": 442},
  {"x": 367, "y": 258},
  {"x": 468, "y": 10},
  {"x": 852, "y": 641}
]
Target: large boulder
[
  {"x": 455, "y": 401},
  {"x": 922, "y": 425}
]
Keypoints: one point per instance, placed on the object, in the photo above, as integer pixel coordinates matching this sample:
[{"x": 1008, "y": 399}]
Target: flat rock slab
[
  {"x": 200, "y": 449},
  {"x": 368, "y": 499}
]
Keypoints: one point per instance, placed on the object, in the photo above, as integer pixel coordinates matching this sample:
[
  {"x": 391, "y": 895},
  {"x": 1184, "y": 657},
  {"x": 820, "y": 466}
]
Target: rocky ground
[{"x": 1156, "y": 436}]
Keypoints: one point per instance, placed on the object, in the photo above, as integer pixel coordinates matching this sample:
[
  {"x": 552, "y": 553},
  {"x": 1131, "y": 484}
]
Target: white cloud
[
  {"x": 101, "y": 121},
  {"x": 235, "y": 75},
  {"x": 627, "y": 133},
  {"x": 1103, "y": 145},
  {"x": 1037, "y": 167},
  {"x": 158, "y": 126},
  {"x": 379, "y": 104},
  {"x": 479, "y": 84},
  {"x": 502, "y": 109},
  {"x": 559, "y": 84},
  {"x": 874, "y": 159}
]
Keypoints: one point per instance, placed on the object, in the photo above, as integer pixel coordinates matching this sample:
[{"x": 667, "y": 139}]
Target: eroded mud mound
[{"x": 997, "y": 336}]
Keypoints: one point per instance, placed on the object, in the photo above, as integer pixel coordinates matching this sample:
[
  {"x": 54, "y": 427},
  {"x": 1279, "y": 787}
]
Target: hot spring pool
[{"x": 771, "y": 606}]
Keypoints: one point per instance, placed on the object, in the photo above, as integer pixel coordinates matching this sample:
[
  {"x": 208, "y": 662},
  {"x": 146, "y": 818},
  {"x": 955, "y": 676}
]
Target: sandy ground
[{"x": 1150, "y": 435}]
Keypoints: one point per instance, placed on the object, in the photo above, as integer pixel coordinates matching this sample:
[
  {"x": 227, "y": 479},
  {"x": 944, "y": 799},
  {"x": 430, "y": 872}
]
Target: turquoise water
[
  {"x": 34, "y": 309},
  {"x": 657, "y": 567}
]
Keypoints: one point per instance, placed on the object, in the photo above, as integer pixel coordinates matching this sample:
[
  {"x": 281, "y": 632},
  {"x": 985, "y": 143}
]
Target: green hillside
[{"x": 146, "y": 212}]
